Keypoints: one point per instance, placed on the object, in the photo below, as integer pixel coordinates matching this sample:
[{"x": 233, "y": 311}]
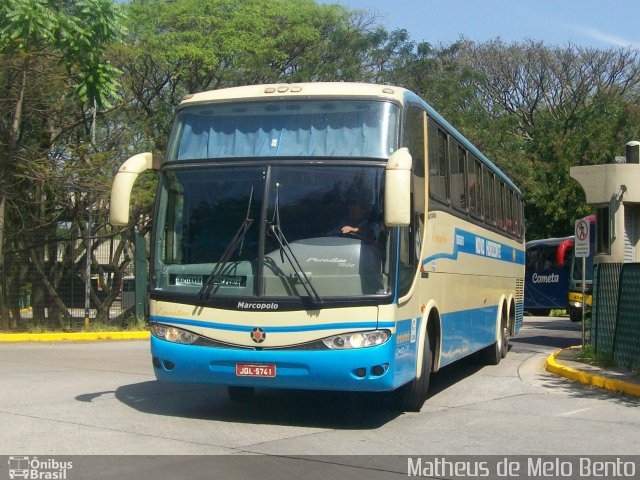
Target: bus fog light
[
  {"x": 360, "y": 372},
  {"x": 353, "y": 340}
]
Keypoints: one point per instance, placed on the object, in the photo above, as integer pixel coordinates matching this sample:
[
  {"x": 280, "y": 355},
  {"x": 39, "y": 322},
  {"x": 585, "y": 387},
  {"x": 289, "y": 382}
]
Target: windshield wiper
[
  {"x": 287, "y": 252},
  {"x": 236, "y": 241}
]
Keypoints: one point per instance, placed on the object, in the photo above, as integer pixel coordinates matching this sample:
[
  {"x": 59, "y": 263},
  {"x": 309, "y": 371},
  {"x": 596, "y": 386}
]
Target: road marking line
[{"x": 573, "y": 412}]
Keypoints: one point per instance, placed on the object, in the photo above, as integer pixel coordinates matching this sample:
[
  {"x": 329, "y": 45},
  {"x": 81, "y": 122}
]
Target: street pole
[
  {"x": 584, "y": 296},
  {"x": 87, "y": 273}
]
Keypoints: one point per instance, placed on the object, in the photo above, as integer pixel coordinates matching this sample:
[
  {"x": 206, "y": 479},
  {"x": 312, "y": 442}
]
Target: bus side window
[
  {"x": 438, "y": 164},
  {"x": 498, "y": 203},
  {"x": 532, "y": 258},
  {"x": 457, "y": 167},
  {"x": 549, "y": 259},
  {"x": 411, "y": 236},
  {"x": 475, "y": 186},
  {"x": 488, "y": 196}
]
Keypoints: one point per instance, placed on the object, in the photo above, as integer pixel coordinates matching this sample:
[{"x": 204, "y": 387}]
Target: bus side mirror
[
  {"x": 123, "y": 184},
  {"x": 397, "y": 189}
]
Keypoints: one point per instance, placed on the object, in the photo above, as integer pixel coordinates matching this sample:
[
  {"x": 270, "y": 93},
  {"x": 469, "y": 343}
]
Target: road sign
[{"x": 582, "y": 238}]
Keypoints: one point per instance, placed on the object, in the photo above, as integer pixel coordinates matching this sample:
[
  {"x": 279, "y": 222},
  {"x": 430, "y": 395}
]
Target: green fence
[
  {"x": 50, "y": 282},
  {"x": 626, "y": 339},
  {"x": 615, "y": 329}
]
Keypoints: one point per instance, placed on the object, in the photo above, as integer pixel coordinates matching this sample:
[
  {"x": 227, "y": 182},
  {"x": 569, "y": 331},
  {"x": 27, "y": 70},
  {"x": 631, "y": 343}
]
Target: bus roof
[
  {"x": 338, "y": 89},
  {"x": 549, "y": 241},
  {"x": 301, "y": 90}
]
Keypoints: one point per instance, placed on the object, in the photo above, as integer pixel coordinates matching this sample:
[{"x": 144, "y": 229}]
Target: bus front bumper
[
  {"x": 575, "y": 300},
  {"x": 373, "y": 369}
]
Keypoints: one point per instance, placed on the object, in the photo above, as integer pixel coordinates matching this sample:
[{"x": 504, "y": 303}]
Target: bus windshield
[
  {"x": 275, "y": 231},
  {"x": 294, "y": 128}
]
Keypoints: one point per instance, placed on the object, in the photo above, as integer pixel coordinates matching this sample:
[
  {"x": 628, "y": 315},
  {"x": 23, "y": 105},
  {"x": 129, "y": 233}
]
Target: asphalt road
[{"x": 102, "y": 398}]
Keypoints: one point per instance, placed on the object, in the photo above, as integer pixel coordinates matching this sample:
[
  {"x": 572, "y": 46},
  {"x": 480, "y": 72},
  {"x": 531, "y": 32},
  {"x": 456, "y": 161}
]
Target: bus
[
  {"x": 325, "y": 236},
  {"x": 574, "y": 296},
  {"x": 547, "y": 274}
]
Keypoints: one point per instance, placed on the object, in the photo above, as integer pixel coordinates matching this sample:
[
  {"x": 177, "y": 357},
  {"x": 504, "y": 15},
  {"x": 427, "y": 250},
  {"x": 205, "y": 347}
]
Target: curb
[
  {"x": 601, "y": 381},
  {"x": 72, "y": 336}
]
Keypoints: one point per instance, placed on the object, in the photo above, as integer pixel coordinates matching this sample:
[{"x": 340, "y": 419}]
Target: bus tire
[
  {"x": 240, "y": 394},
  {"x": 411, "y": 397},
  {"x": 575, "y": 315},
  {"x": 498, "y": 350}
]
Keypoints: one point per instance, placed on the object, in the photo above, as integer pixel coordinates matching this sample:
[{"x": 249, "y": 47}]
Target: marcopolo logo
[
  {"x": 550, "y": 278},
  {"x": 34, "y": 468},
  {"x": 257, "y": 306}
]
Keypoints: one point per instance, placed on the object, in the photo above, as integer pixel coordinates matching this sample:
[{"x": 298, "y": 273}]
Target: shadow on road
[
  {"x": 574, "y": 389},
  {"x": 318, "y": 409},
  {"x": 548, "y": 341},
  {"x": 553, "y": 332},
  {"x": 454, "y": 373}
]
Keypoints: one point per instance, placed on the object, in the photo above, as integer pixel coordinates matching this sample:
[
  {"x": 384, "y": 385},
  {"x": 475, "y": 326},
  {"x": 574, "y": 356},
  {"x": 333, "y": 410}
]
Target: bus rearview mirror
[
  {"x": 123, "y": 184},
  {"x": 397, "y": 189}
]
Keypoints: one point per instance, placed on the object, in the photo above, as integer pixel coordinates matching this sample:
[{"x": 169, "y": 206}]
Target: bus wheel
[
  {"x": 498, "y": 350},
  {"x": 240, "y": 394},
  {"x": 575, "y": 315},
  {"x": 505, "y": 338},
  {"x": 411, "y": 397}
]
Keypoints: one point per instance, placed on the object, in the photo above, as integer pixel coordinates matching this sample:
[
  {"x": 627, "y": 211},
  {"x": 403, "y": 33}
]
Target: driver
[{"x": 357, "y": 222}]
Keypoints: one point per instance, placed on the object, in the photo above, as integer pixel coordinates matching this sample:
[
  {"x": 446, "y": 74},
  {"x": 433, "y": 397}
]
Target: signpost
[{"x": 582, "y": 250}]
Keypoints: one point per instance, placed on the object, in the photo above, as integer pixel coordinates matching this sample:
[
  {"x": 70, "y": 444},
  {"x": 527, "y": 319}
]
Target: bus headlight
[
  {"x": 173, "y": 334},
  {"x": 348, "y": 341}
]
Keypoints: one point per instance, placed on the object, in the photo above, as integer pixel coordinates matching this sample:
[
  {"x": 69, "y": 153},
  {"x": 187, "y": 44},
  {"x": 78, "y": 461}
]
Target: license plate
[{"x": 255, "y": 369}]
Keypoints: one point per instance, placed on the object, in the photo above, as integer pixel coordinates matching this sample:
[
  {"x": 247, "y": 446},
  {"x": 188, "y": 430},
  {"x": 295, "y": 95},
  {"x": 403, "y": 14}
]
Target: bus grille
[
  {"x": 520, "y": 290},
  {"x": 519, "y": 300}
]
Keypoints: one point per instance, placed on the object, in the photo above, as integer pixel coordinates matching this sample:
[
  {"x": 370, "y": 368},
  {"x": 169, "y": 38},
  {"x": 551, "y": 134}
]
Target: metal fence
[
  {"x": 604, "y": 306},
  {"x": 626, "y": 338},
  {"x": 615, "y": 326},
  {"x": 53, "y": 283}
]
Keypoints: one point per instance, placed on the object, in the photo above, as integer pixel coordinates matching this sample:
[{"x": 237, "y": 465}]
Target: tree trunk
[
  {"x": 4, "y": 313},
  {"x": 53, "y": 294},
  {"x": 6, "y": 168}
]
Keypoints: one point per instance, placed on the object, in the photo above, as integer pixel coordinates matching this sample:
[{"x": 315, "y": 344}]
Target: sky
[{"x": 598, "y": 24}]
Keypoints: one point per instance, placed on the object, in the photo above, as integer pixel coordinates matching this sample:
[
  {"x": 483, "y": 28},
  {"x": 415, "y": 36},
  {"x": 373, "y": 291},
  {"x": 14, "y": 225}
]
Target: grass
[
  {"x": 131, "y": 325},
  {"x": 588, "y": 355}
]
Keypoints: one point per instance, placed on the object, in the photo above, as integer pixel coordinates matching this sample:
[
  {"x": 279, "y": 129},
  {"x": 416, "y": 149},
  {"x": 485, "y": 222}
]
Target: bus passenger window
[
  {"x": 475, "y": 188},
  {"x": 438, "y": 165},
  {"x": 488, "y": 197},
  {"x": 498, "y": 198},
  {"x": 457, "y": 163}
]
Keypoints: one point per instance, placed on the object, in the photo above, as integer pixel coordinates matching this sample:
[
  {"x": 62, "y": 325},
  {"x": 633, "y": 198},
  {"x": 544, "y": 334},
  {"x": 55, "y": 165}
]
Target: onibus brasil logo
[{"x": 37, "y": 469}]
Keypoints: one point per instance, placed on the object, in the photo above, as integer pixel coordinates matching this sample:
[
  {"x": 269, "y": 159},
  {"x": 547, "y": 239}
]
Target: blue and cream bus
[{"x": 336, "y": 236}]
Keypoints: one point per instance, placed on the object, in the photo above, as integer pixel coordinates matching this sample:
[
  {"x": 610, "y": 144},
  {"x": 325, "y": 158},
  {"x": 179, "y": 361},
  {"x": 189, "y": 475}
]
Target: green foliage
[
  {"x": 76, "y": 31},
  {"x": 587, "y": 354},
  {"x": 25, "y": 24},
  {"x": 84, "y": 84}
]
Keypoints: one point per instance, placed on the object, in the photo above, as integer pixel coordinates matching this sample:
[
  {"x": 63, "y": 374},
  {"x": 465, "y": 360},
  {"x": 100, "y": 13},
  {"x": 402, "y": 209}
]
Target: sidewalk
[
  {"x": 73, "y": 336},
  {"x": 562, "y": 362}
]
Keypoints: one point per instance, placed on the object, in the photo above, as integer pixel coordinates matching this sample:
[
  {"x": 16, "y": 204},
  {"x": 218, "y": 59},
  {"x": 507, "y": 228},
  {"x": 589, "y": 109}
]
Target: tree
[
  {"x": 562, "y": 107},
  {"x": 54, "y": 81}
]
